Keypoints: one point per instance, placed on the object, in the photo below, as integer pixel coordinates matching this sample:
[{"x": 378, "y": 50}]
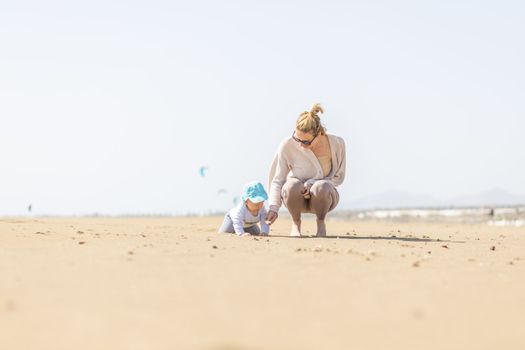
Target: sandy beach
[{"x": 174, "y": 283}]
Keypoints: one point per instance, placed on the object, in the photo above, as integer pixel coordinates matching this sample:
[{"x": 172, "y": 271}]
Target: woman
[{"x": 305, "y": 172}]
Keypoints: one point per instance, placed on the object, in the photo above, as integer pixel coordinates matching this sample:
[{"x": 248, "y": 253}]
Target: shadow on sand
[{"x": 388, "y": 238}]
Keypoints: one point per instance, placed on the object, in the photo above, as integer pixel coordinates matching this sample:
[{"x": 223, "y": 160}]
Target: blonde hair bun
[
  {"x": 316, "y": 108},
  {"x": 310, "y": 121}
]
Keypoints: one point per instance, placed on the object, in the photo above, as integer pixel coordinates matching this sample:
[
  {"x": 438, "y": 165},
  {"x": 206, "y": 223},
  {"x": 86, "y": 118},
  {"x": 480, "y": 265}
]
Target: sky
[{"x": 112, "y": 107}]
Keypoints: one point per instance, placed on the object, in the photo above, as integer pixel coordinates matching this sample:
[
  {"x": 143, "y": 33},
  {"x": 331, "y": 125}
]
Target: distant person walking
[{"x": 305, "y": 172}]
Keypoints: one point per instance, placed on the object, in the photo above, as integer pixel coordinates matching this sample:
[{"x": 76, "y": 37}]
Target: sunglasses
[{"x": 304, "y": 142}]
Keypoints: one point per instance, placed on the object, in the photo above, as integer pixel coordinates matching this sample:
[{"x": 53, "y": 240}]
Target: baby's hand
[{"x": 244, "y": 234}]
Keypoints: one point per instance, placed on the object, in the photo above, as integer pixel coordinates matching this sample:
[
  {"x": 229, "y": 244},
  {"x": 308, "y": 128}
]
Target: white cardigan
[{"x": 292, "y": 160}]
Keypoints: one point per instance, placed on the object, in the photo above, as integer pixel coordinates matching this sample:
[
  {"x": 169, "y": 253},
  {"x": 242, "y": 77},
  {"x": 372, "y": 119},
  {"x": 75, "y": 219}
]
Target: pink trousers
[{"x": 324, "y": 198}]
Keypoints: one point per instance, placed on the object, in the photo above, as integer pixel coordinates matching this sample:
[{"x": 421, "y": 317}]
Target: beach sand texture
[{"x": 174, "y": 283}]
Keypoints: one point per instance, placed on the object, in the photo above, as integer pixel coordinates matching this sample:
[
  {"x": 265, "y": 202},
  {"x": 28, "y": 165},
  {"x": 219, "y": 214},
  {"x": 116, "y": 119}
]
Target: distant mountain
[
  {"x": 393, "y": 199},
  {"x": 400, "y": 199},
  {"x": 493, "y": 197}
]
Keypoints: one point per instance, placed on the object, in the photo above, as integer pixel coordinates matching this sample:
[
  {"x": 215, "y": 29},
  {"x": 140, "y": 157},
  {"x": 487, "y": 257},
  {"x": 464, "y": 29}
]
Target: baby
[{"x": 243, "y": 219}]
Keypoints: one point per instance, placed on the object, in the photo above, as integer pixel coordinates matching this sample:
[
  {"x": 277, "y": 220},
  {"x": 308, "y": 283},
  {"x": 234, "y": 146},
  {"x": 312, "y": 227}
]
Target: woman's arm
[
  {"x": 282, "y": 168},
  {"x": 340, "y": 173}
]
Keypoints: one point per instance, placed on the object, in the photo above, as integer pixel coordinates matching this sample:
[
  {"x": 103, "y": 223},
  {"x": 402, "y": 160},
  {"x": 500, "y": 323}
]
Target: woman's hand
[
  {"x": 306, "y": 190},
  {"x": 271, "y": 217}
]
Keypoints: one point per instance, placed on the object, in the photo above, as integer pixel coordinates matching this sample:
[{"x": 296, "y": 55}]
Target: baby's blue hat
[{"x": 254, "y": 191}]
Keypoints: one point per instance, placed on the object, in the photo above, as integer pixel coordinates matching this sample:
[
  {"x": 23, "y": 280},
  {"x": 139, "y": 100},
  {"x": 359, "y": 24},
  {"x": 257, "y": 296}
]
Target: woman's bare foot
[
  {"x": 296, "y": 230},
  {"x": 321, "y": 228}
]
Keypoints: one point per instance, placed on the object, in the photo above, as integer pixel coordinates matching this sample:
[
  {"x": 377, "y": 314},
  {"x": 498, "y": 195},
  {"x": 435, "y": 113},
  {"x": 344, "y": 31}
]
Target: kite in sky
[{"x": 202, "y": 171}]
